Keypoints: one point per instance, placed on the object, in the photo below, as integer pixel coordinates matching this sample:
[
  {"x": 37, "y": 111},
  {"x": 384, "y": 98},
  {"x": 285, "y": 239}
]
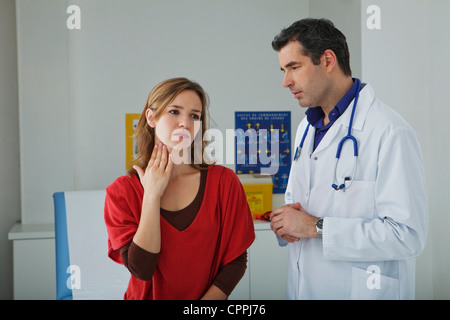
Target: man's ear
[
  {"x": 149, "y": 116},
  {"x": 330, "y": 59}
]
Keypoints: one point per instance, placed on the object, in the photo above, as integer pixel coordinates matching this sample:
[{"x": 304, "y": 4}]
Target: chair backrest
[{"x": 83, "y": 269}]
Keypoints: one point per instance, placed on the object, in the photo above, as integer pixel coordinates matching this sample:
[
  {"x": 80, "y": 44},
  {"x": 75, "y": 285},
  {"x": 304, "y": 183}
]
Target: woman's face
[{"x": 175, "y": 127}]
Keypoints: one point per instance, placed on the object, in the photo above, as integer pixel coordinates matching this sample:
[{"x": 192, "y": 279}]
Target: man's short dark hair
[{"x": 316, "y": 36}]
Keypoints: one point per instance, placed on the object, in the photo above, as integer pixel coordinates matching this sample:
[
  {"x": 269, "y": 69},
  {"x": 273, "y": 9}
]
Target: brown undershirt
[{"x": 142, "y": 263}]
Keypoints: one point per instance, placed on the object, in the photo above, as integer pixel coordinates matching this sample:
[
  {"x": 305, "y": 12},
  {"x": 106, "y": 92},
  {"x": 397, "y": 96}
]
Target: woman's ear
[{"x": 149, "y": 116}]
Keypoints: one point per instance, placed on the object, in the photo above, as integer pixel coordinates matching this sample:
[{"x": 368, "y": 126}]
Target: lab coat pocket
[
  {"x": 370, "y": 284},
  {"x": 358, "y": 201}
]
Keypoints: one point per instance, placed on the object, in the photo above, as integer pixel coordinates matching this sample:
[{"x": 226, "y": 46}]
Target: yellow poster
[{"x": 131, "y": 121}]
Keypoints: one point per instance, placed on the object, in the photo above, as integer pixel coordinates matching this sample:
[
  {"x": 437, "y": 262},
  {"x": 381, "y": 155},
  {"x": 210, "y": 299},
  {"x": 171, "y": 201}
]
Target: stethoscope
[{"x": 349, "y": 136}]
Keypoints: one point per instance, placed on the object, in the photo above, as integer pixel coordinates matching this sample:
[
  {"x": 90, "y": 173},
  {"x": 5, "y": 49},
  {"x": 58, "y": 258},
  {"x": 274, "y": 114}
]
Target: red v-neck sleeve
[
  {"x": 237, "y": 225},
  {"x": 122, "y": 213}
]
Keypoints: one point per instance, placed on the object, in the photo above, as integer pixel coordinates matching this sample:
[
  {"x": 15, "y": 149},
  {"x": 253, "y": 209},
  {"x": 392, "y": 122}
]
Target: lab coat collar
[{"x": 366, "y": 98}]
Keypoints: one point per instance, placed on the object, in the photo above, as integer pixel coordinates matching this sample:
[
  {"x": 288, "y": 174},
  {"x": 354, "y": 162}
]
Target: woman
[{"x": 182, "y": 228}]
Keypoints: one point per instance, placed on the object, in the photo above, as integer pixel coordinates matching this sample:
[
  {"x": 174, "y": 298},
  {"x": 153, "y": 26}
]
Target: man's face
[{"x": 306, "y": 81}]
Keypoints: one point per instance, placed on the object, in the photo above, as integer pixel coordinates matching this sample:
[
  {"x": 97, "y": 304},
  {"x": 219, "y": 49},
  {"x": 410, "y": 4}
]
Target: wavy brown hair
[{"x": 158, "y": 100}]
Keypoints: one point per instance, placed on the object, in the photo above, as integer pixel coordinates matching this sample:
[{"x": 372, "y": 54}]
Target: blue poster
[{"x": 263, "y": 145}]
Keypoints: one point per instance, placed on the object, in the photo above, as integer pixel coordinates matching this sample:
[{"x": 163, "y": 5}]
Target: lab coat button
[{"x": 315, "y": 158}]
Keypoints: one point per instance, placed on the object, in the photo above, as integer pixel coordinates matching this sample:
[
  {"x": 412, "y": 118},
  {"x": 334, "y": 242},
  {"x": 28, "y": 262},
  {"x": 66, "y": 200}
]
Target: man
[{"x": 354, "y": 225}]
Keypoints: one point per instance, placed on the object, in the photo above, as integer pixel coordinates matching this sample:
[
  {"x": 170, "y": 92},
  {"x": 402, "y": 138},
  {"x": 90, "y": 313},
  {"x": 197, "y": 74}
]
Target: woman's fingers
[
  {"x": 153, "y": 156},
  {"x": 160, "y": 158},
  {"x": 139, "y": 171},
  {"x": 163, "y": 159},
  {"x": 169, "y": 164}
]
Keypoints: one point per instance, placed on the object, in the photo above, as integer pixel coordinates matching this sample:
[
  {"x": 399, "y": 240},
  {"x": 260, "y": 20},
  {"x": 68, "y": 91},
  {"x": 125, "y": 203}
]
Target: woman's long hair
[{"x": 158, "y": 100}]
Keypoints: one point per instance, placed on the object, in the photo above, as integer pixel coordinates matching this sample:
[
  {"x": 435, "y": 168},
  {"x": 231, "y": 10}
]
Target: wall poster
[
  {"x": 131, "y": 122},
  {"x": 263, "y": 145}
]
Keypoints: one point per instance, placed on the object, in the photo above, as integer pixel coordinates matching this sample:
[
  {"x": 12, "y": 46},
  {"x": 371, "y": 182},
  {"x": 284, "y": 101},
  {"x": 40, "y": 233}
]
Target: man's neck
[{"x": 336, "y": 93}]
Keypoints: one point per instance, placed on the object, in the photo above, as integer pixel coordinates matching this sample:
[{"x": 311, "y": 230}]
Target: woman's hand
[
  {"x": 154, "y": 180},
  {"x": 156, "y": 176}
]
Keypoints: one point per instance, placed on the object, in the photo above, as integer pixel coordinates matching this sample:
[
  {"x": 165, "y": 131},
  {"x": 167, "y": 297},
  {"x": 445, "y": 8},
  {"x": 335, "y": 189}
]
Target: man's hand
[{"x": 291, "y": 223}]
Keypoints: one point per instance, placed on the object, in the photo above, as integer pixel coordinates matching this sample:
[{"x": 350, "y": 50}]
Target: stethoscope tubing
[{"x": 349, "y": 136}]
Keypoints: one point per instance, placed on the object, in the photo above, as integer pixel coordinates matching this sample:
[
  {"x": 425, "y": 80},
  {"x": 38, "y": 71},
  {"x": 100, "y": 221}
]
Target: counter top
[
  {"x": 261, "y": 225},
  {"x": 45, "y": 231},
  {"x": 31, "y": 231}
]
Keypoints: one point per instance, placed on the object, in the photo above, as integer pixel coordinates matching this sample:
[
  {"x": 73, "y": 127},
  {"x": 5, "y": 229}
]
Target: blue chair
[
  {"x": 63, "y": 292},
  {"x": 83, "y": 268}
]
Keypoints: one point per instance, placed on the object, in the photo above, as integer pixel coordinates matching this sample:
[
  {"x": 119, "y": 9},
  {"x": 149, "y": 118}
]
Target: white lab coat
[{"x": 373, "y": 231}]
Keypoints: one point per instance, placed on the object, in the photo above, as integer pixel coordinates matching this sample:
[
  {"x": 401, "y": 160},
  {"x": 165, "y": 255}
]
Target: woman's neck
[{"x": 182, "y": 169}]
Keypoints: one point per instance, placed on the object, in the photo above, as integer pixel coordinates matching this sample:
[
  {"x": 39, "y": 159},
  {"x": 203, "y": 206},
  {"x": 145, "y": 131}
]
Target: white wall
[
  {"x": 346, "y": 16},
  {"x": 45, "y": 148},
  {"x": 9, "y": 143},
  {"x": 438, "y": 146}
]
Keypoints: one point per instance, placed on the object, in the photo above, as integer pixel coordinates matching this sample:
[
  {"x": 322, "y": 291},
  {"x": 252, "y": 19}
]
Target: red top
[{"x": 189, "y": 260}]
